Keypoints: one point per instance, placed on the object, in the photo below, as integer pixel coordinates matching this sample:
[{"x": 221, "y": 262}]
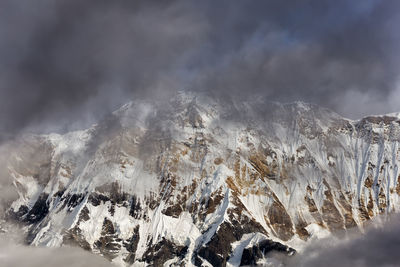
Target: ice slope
[{"x": 197, "y": 180}]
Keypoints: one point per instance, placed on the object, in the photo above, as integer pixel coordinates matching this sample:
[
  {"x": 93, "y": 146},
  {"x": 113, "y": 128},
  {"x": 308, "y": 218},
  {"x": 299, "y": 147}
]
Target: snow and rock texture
[{"x": 200, "y": 182}]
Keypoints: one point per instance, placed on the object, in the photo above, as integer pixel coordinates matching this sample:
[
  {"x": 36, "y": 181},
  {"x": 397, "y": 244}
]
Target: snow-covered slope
[{"x": 198, "y": 181}]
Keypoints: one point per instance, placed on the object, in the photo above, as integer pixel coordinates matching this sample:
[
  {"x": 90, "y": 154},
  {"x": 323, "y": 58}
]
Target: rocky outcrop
[{"x": 252, "y": 255}]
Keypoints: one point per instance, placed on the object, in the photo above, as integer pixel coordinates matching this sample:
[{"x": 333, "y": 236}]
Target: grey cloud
[
  {"x": 14, "y": 255},
  {"x": 62, "y": 59},
  {"x": 378, "y": 246},
  {"x": 321, "y": 52},
  {"x": 7, "y": 189},
  {"x": 64, "y": 64}
]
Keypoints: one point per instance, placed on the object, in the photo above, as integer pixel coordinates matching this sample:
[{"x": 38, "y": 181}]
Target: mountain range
[{"x": 199, "y": 181}]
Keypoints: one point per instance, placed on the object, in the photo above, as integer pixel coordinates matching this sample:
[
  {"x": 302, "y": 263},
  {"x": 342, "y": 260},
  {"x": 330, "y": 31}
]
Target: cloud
[
  {"x": 321, "y": 52},
  {"x": 62, "y": 60},
  {"x": 14, "y": 255},
  {"x": 65, "y": 64},
  {"x": 378, "y": 246},
  {"x": 7, "y": 189}
]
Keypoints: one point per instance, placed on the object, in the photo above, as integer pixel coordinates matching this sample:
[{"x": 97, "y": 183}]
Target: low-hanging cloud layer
[
  {"x": 16, "y": 255},
  {"x": 378, "y": 246},
  {"x": 64, "y": 64}
]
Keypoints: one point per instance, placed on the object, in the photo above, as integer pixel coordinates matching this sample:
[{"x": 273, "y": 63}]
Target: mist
[
  {"x": 377, "y": 246},
  {"x": 17, "y": 255},
  {"x": 65, "y": 64}
]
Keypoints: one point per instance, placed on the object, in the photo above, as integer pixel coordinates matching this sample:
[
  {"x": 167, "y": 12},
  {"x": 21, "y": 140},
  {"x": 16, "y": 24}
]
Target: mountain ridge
[{"x": 198, "y": 181}]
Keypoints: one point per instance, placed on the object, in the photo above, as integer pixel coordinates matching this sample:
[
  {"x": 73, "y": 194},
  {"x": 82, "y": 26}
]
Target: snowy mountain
[{"x": 199, "y": 181}]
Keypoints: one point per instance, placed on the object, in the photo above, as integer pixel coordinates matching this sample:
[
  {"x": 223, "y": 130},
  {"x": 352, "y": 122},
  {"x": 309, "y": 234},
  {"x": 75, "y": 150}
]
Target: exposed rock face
[
  {"x": 200, "y": 182},
  {"x": 252, "y": 255},
  {"x": 108, "y": 244}
]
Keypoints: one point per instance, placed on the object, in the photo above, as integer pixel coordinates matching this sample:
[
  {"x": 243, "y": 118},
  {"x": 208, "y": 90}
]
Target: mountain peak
[{"x": 234, "y": 177}]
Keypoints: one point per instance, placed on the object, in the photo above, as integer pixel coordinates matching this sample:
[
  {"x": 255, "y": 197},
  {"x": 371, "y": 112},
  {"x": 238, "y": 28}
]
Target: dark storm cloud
[
  {"x": 65, "y": 59},
  {"x": 66, "y": 63},
  {"x": 379, "y": 246},
  {"x": 341, "y": 54}
]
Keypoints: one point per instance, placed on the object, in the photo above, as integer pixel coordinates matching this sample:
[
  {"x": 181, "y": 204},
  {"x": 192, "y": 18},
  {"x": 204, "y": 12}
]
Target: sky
[{"x": 66, "y": 63}]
